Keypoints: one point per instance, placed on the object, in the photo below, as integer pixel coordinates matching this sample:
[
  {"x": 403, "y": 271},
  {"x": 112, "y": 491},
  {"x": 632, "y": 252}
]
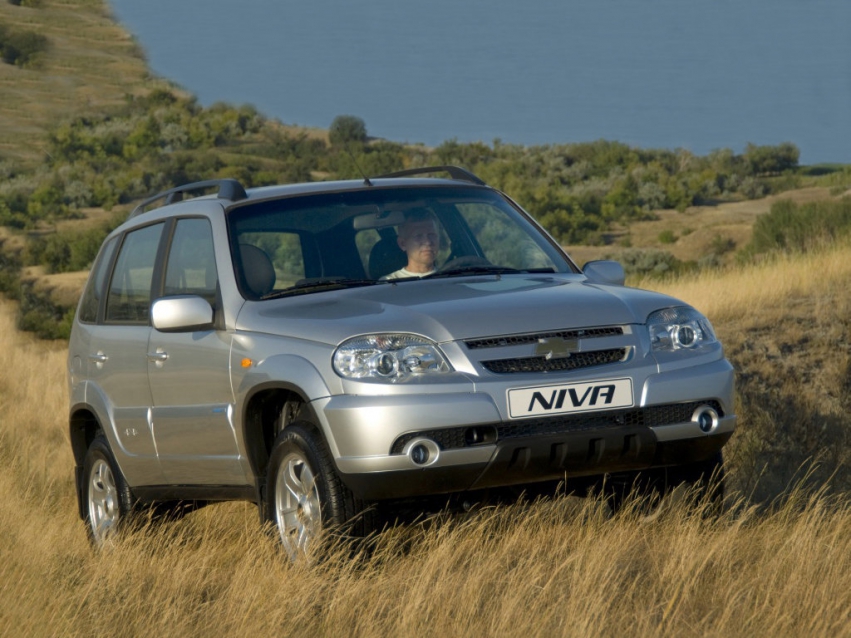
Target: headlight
[
  {"x": 389, "y": 357},
  {"x": 680, "y": 328}
]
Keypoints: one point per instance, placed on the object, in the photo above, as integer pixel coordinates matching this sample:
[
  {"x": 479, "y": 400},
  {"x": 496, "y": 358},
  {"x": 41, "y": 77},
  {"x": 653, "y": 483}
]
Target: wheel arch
[
  {"x": 83, "y": 427},
  {"x": 269, "y": 409}
]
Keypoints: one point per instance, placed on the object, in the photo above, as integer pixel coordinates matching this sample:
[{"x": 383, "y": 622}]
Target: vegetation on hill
[{"x": 161, "y": 140}]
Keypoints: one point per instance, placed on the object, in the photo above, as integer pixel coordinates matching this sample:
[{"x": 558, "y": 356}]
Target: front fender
[{"x": 284, "y": 370}]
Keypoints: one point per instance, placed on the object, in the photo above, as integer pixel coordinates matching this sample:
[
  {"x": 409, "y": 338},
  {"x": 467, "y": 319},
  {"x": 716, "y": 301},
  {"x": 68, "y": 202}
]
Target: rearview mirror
[{"x": 604, "y": 272}]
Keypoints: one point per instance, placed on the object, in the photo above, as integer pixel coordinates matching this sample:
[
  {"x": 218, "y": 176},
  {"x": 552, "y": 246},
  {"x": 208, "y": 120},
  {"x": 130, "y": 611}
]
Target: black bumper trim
[
  {"x": 535, "y": 459},
  {"x": 452, "y": 438}
]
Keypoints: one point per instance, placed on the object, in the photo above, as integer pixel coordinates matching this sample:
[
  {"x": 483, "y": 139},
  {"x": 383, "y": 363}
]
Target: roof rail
[
  {"x": 455, "y": 172},
  {"x": 228, "y": 189}
]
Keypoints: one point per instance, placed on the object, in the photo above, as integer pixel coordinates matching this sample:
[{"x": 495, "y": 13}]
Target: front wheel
[
  {"x": 305, "y": 495},
  {"x": 108, "y": 498}
]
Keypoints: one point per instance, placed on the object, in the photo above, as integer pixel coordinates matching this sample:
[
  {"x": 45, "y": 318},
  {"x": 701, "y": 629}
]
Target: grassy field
[{"x": 556, "y": 567}]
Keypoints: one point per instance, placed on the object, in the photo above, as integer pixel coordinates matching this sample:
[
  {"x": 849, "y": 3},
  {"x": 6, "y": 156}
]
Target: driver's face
[{"x": 421, "y": 241}]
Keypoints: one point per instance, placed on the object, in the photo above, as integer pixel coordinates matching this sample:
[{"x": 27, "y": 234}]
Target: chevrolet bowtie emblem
[{"x": 556, "y": 347}]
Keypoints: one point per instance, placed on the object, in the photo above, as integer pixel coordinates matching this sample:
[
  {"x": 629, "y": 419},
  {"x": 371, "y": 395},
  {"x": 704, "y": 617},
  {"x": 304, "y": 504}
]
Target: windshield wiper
[
  {"x": 320, "y": 283},
  {"x": 478, "y": 269}
]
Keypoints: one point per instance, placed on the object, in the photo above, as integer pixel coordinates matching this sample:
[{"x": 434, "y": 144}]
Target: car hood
[{"x": 454, "y": 308}]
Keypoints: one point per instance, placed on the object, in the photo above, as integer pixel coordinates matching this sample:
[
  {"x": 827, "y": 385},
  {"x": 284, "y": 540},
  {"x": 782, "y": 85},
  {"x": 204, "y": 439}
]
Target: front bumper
[
  {"x": 531, "y": 460},
  {"x": 476, "y": 445}
]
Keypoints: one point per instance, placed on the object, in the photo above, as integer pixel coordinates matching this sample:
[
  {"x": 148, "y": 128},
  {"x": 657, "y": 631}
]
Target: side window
[
  {"x": 503, "y": 242},
  {"x": 96, "y": 285},
  {"x": 365, "y": 241},
  {"x": 280, "y": 250},
  {"x": 129, "y": 297},
  {"x": 191, "y": 268}
]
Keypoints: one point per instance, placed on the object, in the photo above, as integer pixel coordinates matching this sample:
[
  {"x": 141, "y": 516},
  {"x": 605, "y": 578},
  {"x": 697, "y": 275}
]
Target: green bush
[
  {"x": 771, "y": 159},
  {"x": 789, "y": 226},
  {"x": 21, "y": 47},
  {"x": 667, "y": 236},
  {"x": 347, "y": 129},
  {"x": 66, "y": 252},
  {"x": 39, "y": 314},
  {"x": 652, "y": 262}
]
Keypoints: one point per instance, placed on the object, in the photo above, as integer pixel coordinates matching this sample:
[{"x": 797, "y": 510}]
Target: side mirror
[
  {"x": 182, "y": 313},
  {"x": 604, "y": 272}
]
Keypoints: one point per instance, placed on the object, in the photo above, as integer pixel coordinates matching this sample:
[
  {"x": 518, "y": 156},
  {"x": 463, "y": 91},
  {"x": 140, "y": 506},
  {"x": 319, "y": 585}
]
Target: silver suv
[{"x": 286, "y": 346}]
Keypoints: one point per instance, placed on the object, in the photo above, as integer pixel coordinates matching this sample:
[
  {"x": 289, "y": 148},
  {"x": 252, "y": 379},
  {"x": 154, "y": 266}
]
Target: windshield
[{"x": 381, "y": 235}]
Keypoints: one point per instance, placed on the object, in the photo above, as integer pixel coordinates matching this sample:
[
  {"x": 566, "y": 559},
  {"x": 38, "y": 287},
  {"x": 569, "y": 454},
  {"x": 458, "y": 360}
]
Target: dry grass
[
  {"x": 558, "y": 567},
  {"x": 786, "y": 326}
]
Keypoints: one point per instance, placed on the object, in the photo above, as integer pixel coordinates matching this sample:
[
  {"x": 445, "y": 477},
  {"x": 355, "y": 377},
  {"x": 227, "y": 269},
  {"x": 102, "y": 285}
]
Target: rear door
[{"x": 117, "y": 354}]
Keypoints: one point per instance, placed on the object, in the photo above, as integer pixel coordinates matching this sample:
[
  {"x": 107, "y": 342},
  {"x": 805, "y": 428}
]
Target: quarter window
[{"x": 97, "y": 284}]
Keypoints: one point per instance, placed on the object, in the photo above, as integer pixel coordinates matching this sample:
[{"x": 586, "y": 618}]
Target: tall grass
[{"x": 556, "y": 567}]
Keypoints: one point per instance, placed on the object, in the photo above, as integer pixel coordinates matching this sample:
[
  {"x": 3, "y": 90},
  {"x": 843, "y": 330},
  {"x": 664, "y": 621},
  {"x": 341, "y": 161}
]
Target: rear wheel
[
  {"x": 108, "y": 498},
  {"x": 305, "y": 496}
]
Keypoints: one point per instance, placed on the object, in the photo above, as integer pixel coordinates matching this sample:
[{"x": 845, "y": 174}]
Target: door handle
[
  {"x": 98, "y": 359},
  {"x": 159, "y": 356}
]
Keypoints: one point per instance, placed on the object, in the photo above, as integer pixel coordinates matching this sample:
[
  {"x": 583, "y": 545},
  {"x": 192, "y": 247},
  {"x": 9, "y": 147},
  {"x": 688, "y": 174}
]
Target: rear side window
[
  {"x": 129, "y": 299},
  {"x": 96, "y": 285}
]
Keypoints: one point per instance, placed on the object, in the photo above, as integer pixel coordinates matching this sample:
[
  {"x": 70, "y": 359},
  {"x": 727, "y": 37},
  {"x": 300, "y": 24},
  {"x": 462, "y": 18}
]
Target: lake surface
[{"x": 653, "y": 74}]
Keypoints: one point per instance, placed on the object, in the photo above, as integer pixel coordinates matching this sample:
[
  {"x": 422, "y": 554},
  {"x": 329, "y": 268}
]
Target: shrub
[
  {"x": 39, "y": 314},
  {"x": 789, "y": 226},
  {"x": 636, "y": 261},
  {"x": 667, "y": 236},
  {"x": 771, "y": 159},
  {"x": 347, "y": 129},
  {"x": 21, "y": 47}
]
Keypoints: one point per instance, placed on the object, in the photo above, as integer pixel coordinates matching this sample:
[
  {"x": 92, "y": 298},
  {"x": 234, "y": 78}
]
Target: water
[{"x": 653, "y": 74}]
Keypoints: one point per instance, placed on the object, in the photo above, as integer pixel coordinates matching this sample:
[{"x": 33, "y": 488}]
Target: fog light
[
  {"x": 422, "y": 451},
  {"x": 706, "y": 419},
  {"x": 419, "y": 454}
]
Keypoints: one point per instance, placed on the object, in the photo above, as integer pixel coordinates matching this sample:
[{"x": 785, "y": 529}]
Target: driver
[{"x": 419, "y": 238}]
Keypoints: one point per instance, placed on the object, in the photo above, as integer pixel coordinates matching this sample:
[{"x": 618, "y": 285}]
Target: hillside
[{"x": 90, "y": 63}]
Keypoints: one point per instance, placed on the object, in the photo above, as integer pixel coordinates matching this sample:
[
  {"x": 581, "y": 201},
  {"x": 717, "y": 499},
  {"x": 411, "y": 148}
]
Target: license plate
[{"x": 570, "y": 398}]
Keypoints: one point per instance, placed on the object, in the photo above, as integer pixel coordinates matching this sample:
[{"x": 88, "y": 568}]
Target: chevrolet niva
[{"x": 323, "y": 349}]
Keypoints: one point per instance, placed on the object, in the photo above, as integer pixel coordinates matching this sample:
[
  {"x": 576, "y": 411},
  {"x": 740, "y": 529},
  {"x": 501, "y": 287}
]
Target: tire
[
  {"x": 305, "y": 497},
  {"x": 108, "y": 499}
]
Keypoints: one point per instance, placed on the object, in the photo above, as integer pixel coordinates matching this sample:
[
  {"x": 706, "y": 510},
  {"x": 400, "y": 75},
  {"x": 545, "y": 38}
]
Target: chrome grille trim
[
  {"x": 517, "y": 340},
  {"x": 575, "y": 361}
]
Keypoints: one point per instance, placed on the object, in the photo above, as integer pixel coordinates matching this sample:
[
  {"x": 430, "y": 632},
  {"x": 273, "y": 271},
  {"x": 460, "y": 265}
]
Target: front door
[{"x": 189, "y": 374}]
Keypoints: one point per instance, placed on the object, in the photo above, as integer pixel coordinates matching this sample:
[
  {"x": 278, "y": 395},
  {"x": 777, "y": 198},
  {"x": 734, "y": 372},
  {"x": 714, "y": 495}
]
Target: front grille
[
  {"x": 542, "y": 364},
  {"x": 657, "y": 415},
  {"x": 519, "y": 340}
]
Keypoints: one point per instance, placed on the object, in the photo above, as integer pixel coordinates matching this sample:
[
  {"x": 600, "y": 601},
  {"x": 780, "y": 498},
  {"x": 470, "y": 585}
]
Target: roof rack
[
  {"x": 228, "y": 189},
  {"x": 455, "y": 172}
]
